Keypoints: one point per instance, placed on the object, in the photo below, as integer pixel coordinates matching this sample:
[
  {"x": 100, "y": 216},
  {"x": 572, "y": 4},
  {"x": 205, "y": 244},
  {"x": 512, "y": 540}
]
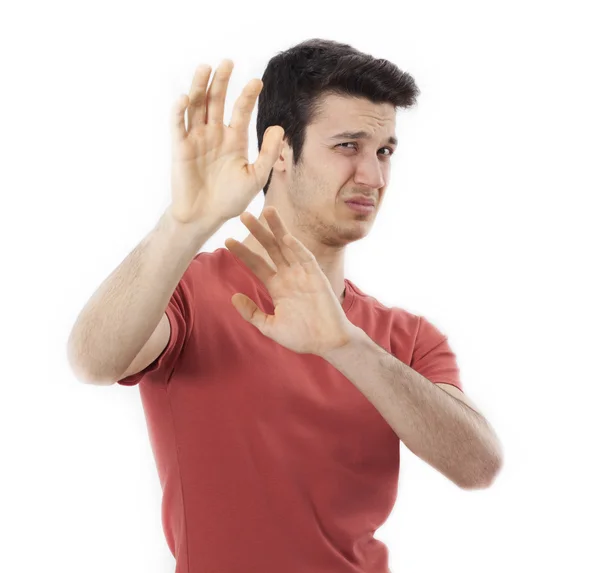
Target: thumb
[
  {"x": 249, "y": 310},
  {"x": 269, "y": 152},
  {"x": 178, "y": 130}
]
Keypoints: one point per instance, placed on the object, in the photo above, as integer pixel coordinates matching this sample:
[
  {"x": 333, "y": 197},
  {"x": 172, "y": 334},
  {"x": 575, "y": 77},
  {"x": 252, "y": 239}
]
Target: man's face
[{"x": 335, "y": 168}]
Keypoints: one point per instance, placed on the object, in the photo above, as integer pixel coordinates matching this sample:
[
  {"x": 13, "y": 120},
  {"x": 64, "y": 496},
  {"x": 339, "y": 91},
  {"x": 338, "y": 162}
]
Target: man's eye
[{"x": 391, "y": 151}]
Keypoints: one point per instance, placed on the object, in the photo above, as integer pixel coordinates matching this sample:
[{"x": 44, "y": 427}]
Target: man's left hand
[{"x": 309, "y": 318}]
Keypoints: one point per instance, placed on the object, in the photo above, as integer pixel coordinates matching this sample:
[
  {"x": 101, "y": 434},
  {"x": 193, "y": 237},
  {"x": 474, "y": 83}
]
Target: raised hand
[
  {"x": 308, "y": 317},
  {"x": 211, "y": 178}
]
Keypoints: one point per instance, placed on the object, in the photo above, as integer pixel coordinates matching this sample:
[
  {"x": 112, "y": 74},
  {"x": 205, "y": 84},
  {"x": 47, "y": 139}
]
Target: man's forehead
[{"x": 352, "y": 114}]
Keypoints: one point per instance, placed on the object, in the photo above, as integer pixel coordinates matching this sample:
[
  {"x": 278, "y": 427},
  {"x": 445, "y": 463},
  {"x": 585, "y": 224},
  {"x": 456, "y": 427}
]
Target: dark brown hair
[{"x": 296, "y": 79}]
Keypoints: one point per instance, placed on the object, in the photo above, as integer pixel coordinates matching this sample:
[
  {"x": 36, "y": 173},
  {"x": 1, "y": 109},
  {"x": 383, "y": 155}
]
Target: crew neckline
[{"x": 346, "y": 303}]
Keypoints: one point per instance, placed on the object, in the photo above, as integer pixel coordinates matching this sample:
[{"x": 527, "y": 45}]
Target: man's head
[{"x": 317, "y": 90}]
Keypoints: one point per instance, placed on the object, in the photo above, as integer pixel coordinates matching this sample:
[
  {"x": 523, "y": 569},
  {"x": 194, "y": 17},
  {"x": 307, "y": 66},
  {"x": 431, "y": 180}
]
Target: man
[{"x": 276, "y": 391}]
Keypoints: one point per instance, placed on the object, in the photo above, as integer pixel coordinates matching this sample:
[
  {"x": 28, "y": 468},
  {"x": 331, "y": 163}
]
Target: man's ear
[{"x": 284, "y": 158}]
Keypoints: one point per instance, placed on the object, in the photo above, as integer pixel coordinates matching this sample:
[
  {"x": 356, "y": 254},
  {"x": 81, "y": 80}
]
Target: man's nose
[{"x": 369, "y": 172}]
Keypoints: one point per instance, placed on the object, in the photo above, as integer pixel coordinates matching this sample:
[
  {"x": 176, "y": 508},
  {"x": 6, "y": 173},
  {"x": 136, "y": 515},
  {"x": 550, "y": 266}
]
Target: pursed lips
[{"x": 361, "y": 201}]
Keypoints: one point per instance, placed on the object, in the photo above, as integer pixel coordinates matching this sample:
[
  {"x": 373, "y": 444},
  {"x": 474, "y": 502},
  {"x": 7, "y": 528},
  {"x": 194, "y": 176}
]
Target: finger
[
  {"x": 197, "y": 106},
  {"x": 265, "y": 237},
  {"x": 280, "y": 231},
  {"x": 178, "y": 118},
  {"x": 269, "y": 152},
  {"x": 250, "y": 311},
  {"x": 252, "y": 260},
  {"x": 215, "y": 98},
  {"x": 301, "y": 253},
  {"x": 275, "y": 222},
  {"x": 244, "y": 105}
]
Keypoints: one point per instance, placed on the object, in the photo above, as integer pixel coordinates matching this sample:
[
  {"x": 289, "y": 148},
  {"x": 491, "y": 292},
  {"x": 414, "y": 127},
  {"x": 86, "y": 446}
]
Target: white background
[{"x": 489, "y": 229}]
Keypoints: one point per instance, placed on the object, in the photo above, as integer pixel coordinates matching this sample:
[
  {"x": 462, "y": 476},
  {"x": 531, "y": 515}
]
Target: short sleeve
[
  {"x": 432, "y": 356},
  {"x": 180, "y": 312}
]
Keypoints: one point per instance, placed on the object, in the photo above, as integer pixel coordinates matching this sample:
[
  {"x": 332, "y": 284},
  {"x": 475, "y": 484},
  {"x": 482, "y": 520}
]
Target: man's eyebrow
[{"x": 360, "y": 135}]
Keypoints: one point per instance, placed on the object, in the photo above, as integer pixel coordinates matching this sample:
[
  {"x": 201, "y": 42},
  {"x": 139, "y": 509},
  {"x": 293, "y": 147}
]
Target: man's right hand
[{"x": 211, "y": 178}]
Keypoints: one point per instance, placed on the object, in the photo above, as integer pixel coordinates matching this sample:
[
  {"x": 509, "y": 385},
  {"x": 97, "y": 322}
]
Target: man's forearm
[
  {"x": 438, "y": 428},
  {"x": 125, "y": 309}
]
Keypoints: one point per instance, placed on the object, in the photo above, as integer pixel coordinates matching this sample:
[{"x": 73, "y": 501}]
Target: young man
[{"x": 276, "y": 391}]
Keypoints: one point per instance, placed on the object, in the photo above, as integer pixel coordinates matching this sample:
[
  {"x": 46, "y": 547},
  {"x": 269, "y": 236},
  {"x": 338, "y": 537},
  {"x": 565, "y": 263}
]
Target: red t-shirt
[{"x": 272, "y": 461}]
